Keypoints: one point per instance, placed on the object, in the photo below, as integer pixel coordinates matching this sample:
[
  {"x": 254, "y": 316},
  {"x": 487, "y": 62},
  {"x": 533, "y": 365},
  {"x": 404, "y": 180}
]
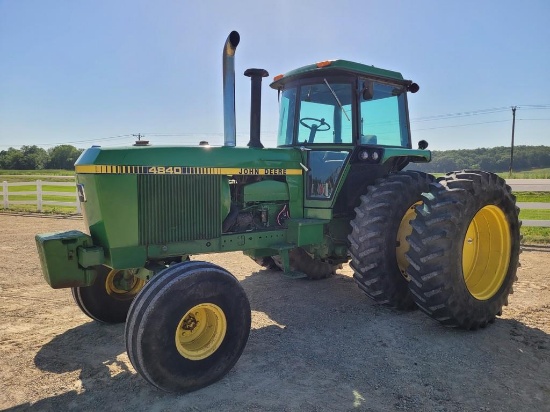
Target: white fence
[
  {"x": 39, "y": 193},
  {"x": 531, "y": 185}
]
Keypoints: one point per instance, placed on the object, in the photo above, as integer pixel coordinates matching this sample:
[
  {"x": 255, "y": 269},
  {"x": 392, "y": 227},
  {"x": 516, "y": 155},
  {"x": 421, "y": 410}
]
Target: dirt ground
[{"x": 314, "y": 346}]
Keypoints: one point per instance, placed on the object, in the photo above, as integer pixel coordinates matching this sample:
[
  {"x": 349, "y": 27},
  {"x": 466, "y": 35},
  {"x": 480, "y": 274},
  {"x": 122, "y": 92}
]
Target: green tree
[
  {"x": 63, "y": 157},
  {"x": 33, "y": 158},
  {"x": 11, "y": 159}
]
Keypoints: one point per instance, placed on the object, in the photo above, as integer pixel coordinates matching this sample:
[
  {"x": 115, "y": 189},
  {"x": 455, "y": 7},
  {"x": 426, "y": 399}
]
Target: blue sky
[{"x": 86, "y": 72}]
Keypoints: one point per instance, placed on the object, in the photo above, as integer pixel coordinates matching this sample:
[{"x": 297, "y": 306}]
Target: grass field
[
  {"x": 46, "y": 176},
  {"x": 43, "y": 172},
  {"x": 530, "y": 234},
  {"x": 527, "y": 174},
  {"x": 14, "y": 176}
]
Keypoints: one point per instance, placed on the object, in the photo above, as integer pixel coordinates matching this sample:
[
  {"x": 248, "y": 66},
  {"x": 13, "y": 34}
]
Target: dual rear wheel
[
  {"x": 464, "y": 249},
  {"x": 378, "y": 240},
  {"x": 450, "y": 247}
]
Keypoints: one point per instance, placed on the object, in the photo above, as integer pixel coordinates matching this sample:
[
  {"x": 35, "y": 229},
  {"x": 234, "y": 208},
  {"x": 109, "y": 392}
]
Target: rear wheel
[
  {"x": 109, "y": 298},
  {"x": 378, "y": 241},
  {"x": 302, "y": 261},
  {"x": 266, "y": 262},
  {"x": 465, "y": 249},
  {"x": 188, "y": 326}
]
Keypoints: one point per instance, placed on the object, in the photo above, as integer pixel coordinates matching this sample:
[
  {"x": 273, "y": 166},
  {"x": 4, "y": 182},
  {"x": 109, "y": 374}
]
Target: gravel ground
[{"x": 314, "y": 346}]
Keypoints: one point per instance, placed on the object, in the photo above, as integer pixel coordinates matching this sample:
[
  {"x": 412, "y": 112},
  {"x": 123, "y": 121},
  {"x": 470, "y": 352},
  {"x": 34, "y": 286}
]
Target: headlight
[{"x": 81, "y": 192}]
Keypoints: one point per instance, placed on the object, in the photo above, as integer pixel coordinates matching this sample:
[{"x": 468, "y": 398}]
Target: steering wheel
[{"x": 314, "y": 127}]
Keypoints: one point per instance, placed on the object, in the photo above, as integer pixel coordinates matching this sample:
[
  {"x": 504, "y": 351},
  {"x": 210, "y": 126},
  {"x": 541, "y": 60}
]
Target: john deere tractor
[{"x": 338, "y": 188}]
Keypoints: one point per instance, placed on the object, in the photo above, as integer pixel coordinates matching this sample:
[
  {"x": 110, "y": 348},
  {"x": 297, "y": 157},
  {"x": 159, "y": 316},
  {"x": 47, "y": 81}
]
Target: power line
[
  {"x": 439, "y": 117},
  {"x": 479, "y": 112},
  {"x": 460, "y": 114},
  {"x": 460, "y": 125},
  {"x": 79, "y": 141},
  {"x": 534, "y": 106}
]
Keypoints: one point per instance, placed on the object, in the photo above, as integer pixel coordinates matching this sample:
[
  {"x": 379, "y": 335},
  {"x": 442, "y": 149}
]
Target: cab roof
[{"x": 343, "y": 66}]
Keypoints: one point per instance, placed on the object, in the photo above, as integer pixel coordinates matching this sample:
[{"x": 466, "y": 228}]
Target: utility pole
[
  {"x": 512, "y": 146},
  {"x": 140, "y": 142}
]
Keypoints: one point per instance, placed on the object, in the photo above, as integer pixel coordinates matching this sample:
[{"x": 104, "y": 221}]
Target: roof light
[
  {"x": 323, "y": 64},
  {"x": 278, "y": 77}
]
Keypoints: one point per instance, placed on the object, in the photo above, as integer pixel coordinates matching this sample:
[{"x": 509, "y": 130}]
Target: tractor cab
[
  {"x": 340, "y": 114},
  {"x": 343, "y": 103}
]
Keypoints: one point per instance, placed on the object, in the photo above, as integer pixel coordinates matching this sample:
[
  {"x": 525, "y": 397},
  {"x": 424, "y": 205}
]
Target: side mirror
[
  {"x": 422, "y": 144},
  {"x": 413, "y": 87},
  {"x": 368, "y": 92}
]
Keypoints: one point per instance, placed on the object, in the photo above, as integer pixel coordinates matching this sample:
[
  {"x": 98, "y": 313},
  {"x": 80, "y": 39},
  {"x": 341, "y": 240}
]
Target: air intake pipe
[
  {"x": 229, "y": 126},
  {"x": 255, "y": 105}
]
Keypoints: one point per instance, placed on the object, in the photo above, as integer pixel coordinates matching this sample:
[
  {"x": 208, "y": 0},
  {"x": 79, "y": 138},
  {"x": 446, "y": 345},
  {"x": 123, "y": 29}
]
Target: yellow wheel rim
[
  {"x": 405, "y": 229},
  {"x": 486, "y": 252},
  {"x": 200, "y": 331},
  {"x": 122, "y": 284}
]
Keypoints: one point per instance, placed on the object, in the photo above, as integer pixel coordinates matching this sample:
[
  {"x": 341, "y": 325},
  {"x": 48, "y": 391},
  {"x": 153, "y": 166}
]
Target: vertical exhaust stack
[
  {"x": 255, "y": 105},
  {"x": 229, "y": 122}
]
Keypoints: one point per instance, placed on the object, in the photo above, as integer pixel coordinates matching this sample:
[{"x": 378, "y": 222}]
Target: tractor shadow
[
  {"x": 330, "y": 337},
  {"x": 94, "y": 349},
  {"x": 317, "y": 345}
]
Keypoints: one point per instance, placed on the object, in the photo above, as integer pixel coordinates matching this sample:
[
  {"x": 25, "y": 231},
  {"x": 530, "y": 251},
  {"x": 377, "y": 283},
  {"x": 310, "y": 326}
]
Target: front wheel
[
  {"x": 188, "y": 326},
  {"x": 464, "y": 249},
  {"x": 109, "y": 298}
]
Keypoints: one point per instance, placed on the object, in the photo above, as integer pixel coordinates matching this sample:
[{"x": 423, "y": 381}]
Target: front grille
[{"x": 176, "y": 208}]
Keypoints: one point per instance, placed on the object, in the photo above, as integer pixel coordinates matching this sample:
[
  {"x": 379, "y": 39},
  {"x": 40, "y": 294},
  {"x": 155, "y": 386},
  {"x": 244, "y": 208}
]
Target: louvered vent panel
[{"x": 175, "y": 208}]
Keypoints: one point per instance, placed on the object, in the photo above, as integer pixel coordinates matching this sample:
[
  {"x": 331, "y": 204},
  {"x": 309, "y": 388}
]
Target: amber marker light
[
  {"x": 278, "y": 77},
  {"x": 323, "y": 64}
]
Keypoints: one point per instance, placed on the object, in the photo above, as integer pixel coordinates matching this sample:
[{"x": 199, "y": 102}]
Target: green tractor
[{"x": 336, "y": 189}]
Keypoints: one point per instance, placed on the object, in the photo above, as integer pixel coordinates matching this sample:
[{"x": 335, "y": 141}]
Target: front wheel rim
[
  {"x": 122, "y": 284},
  {"x": 201, "y": 331},
  {"x": 486, "y": 252}
]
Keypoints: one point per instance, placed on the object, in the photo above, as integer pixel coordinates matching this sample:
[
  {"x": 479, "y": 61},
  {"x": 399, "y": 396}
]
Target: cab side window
[{"x": 383, "y": 116}]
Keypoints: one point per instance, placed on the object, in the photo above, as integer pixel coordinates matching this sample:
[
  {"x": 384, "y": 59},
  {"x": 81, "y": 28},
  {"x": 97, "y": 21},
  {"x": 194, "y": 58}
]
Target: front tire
[
  {"x": 465, "y": 249},
  {"x": 188, "y": 326},
  {"x": 109, "y": 298},
  {"x": 378, "y": 238}
]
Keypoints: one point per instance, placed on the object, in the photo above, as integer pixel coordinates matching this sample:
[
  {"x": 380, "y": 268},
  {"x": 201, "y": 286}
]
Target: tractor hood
[{"x": 175, "y": 159}]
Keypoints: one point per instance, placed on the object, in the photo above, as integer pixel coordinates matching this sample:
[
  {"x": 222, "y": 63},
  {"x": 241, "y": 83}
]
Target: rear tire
[
  {"x": 302, "y": 261},
  {"x": 465, "y": 249},
  {"x": 378, "y": 239},
  {"x": 109, "y": 298},
  {"x": 188, "y": 326},
  {"x": 266, "y": 262}
]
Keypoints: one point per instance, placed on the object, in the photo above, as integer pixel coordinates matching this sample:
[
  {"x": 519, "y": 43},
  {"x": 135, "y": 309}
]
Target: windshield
[
  {"x": 325, "y": 114},
  {"x": 322, "y": 112},
  {"x": 383, "y": 116}
]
